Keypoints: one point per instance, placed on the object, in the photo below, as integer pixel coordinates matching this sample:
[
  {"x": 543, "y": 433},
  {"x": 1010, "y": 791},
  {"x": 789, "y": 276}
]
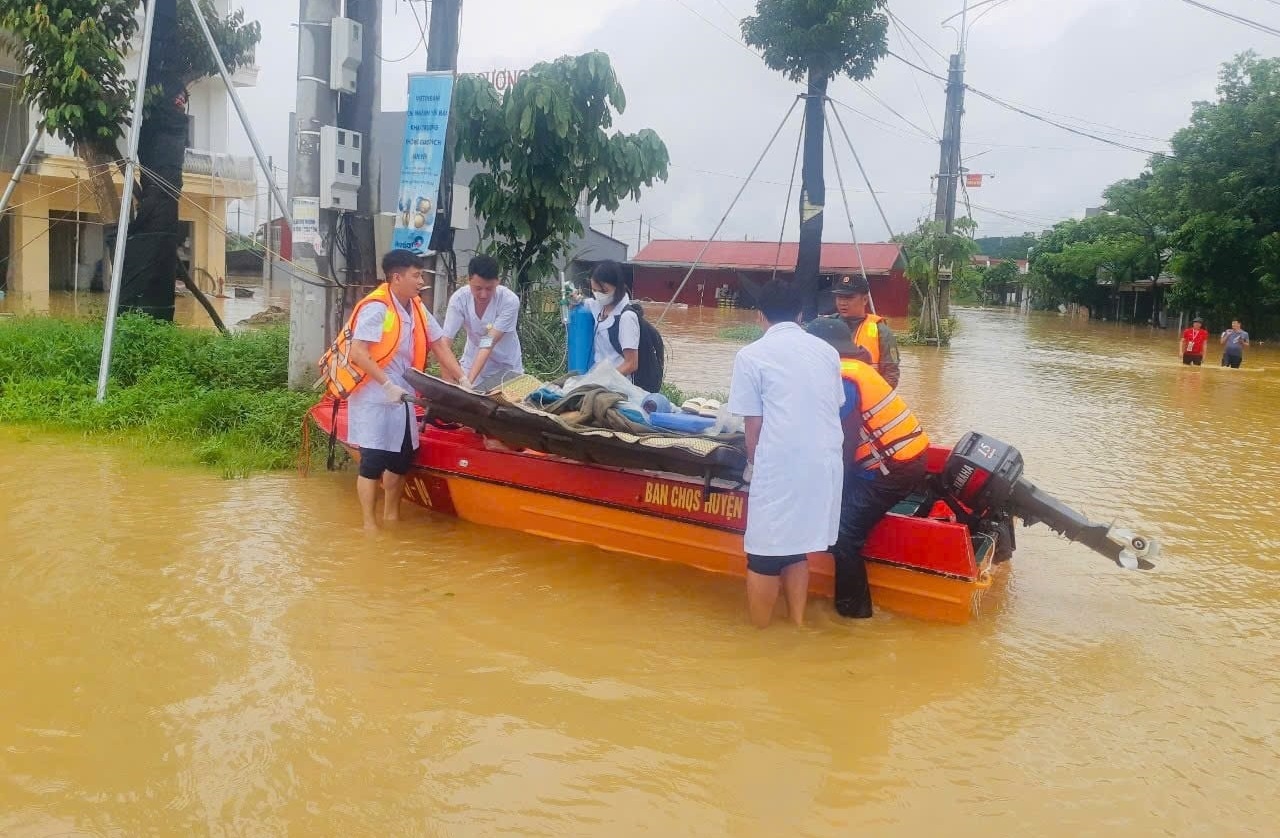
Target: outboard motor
[{"x": 982, "y": 482}]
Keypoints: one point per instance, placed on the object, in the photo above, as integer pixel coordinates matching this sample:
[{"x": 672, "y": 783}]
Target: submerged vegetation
[
  {"x": 742, "y": 332},
  {"x": 187, "y": 394}
]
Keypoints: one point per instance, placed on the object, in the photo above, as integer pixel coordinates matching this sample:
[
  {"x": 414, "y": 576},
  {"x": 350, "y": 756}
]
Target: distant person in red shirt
[{"x": 1193, "y": 341}]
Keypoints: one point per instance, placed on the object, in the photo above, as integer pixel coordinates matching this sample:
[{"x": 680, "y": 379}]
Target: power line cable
[
  {"x": 422, "y": 42},
  {"x": 1027, "y": 113},
  {"x": 932, "y": 137},
  {"x": 914, "y": 80},
  {"x": 936, "y": 51},
  {"x": 1249, "y": 22}
]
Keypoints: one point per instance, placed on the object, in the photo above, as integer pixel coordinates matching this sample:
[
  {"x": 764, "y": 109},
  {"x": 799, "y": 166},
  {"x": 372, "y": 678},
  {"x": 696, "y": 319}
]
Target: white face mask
[{"x": 603, "y": 297}]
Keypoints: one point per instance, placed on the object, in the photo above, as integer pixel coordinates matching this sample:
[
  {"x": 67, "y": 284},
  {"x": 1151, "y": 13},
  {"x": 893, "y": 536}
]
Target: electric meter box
[
  {"x": 345, "y": 51},
  {"x": 340, "y": 167}
]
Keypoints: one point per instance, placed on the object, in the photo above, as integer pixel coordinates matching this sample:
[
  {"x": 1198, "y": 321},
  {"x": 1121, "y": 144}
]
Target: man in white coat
[{"x": 787, "y": 388}]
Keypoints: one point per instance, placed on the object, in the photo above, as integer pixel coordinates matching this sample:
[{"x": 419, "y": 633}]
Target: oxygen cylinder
[{"x": 582, "y": 338}]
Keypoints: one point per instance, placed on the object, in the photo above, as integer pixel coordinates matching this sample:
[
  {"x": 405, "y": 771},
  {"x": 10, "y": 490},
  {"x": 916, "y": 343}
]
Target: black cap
[
  {"x": 851, "y": 285},
  {"x": 399, "y": 259},
  {"x": 1197, "y": 320},
  {"x": 835, "y": 332}
]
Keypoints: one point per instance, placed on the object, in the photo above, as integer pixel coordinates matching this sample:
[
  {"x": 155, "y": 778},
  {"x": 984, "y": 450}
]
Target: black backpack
[{"x": 652, "y": 352}]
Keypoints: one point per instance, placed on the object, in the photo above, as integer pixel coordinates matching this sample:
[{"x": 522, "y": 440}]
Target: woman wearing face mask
[{"x": 608, "y": 304}]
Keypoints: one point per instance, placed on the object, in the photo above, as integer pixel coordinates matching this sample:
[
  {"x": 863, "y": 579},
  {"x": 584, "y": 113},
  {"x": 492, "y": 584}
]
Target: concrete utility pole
[
  {"x": 311, "y": 299},
  {"x": 949, "y": 165},
  {"x": 356, "y": 112},
  {"x": 442, "y": 54}
]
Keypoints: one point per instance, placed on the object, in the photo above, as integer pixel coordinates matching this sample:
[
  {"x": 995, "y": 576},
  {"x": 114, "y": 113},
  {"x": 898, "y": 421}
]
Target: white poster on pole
[{"x": 306, "y": 224}]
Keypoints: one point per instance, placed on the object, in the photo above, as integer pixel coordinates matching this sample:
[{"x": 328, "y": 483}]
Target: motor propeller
[{"x": 984, "y": 476}]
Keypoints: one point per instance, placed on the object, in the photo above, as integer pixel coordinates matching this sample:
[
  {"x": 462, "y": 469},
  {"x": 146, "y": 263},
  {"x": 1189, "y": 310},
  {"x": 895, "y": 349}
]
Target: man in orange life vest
[
  {"x": 884, "y": 450},
  {"x": 870, "y": 331},
  {"x": 389, "y": 332}
]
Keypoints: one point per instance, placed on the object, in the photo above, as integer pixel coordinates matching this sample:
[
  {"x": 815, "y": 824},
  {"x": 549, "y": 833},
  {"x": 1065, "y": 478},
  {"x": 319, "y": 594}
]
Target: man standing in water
[
  {"x": 1234, "y": 340},
  {"x": 488, "y": 312},
  {"x": 389, "y": 332},
  {"x": 870, "y": 331},
  {"x": 787, "y": 388},
  {"x": 885, "y": 450},
  {"x": 1192, "y": 343}
]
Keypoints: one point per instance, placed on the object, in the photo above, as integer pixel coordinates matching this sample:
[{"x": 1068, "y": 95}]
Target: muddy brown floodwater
[{"x": 186, "y": 655}]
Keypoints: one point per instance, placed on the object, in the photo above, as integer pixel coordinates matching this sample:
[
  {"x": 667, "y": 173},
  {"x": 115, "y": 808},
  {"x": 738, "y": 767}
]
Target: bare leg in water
[
  {"x": 367, "y": 489},
  {"x": 393, "y": 486},
  {"x": 762, "y": 596},
  {"x": 795, "y": 585}
]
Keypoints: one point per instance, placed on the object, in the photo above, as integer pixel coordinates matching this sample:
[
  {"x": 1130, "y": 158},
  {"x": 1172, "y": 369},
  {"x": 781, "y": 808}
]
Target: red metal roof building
[{"x": 659, "y": 267}]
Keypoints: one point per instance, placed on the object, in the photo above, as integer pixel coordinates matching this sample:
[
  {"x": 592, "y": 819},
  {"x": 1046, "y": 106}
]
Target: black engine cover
[{"x": 981, "y": 472}]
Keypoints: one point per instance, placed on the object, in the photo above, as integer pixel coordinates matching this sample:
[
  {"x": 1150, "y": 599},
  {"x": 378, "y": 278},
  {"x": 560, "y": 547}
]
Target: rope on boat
[{"x": 725, "y": 217}]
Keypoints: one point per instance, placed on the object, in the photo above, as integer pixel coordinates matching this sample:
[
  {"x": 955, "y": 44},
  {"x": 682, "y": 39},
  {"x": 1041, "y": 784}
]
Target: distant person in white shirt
[
  {"x": 617, "y": 329},
  {"x": 787, "y": 388},
  {"x": 488, "y": 312}
]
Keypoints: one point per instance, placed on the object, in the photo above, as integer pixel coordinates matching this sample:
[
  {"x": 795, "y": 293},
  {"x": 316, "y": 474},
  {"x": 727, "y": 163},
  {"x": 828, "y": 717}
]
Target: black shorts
[
  {"x": 772, "y": 565},
  {"x": 1188, "y": 358},
  {"x": 1232, "y": 361},
  {"x": 374, "y": 461}
]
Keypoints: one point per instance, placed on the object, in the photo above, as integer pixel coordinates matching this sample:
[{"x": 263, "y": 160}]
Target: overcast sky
[{"x": 1127, "y": 69}]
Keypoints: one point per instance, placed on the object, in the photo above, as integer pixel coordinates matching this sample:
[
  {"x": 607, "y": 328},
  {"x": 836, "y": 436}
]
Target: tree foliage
[
  {"x": 930, "y": 250},
  {"x": 72, "y": 52},
  {"x": 1209, "y": 213},
  {"x": 814, "y": 41},
  {"x": 1006, "y": 247},
  {"x": 74, "y": 72},
  {"x": 819, "y": 38},
  {"x": 546, "y": 145}
]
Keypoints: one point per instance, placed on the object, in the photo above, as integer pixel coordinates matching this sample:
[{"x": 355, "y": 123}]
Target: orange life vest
[
  {"x": 888, "y": 430},
  {"x": 341, "y": 376},
  {"x": 867, "y": 335}
]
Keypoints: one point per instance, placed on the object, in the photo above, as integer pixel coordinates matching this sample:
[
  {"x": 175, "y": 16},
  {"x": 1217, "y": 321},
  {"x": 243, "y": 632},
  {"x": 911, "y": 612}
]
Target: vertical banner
[{"x": 426, "y": 122}]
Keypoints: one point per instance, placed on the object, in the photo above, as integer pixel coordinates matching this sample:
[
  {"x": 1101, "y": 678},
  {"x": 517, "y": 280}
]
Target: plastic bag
[
  {"x": 605, "y": 374},
  {"x": 726, "y": 423}
]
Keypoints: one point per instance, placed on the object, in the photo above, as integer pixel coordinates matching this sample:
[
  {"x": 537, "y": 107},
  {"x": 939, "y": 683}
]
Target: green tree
[
  {"x": 73, "y": 55},
  {"x": 1080, "y": 258},
  {"x": 997, "y": 279},
  {"x": 1006, "y": 247},
  {"x": 929, "y": 249},
  {"x": 815, "y": 41},
  {"x": 546, "y": 145},
  {"x": 1222, "y": 186}
]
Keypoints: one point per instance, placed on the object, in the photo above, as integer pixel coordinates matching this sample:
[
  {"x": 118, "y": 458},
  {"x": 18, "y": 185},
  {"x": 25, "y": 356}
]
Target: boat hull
[{"x": 919, "y": 567}]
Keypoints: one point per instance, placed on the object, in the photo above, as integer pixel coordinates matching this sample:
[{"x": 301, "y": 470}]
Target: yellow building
[{"x": 51, "y": 238}]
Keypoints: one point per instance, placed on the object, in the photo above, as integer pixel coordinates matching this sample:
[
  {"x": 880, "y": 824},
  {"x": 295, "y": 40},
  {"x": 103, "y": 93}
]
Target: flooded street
[{"x": 186, "y": 655}]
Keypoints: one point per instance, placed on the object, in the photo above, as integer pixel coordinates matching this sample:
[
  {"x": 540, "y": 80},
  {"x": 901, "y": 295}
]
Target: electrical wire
[
  {"x": 931, "y": 137},
  {"x": 936, "y": 51},
  {"x": 422, "y": 42},
  {"x": 297, "y": 271},
  {"x": 709, "y": 22},
  {"x": 1249, "y": 22},
  {"x": 916, "y": 81},
  {"x": 1038, "y": 117}
]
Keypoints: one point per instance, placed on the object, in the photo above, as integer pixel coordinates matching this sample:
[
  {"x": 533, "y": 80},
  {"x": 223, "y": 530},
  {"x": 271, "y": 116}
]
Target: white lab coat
[
  {"x": 503, "y": 313},
  {"x": 792, "y": 379}
]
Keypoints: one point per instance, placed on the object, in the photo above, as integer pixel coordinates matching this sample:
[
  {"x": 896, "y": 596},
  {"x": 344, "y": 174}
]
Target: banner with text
[{"x": 426, "y": 122}]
